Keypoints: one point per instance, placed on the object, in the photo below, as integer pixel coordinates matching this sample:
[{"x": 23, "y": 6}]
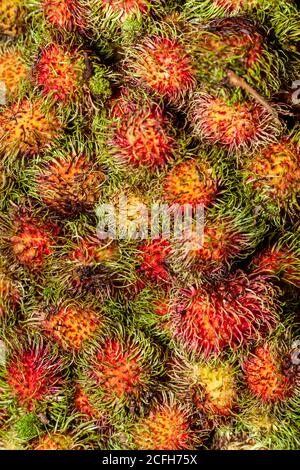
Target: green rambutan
[
  {"x": 142, "y": 133},
  {"x": 26, "y": 129},
  {"x": 59, "y": 72},
  {"x": 162, "y": 66},
  {"x": 70, "y": 185},
  {"x": 212, "y": 318},
  {"x": 233, "y": 125}
]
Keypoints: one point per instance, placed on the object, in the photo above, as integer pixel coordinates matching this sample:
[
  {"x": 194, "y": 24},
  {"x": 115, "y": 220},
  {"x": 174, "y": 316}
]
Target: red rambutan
[
  {"x": 68, "y": 15},
  {"x": 124, "y": 8},
  {"x": 9, "y": 295},
  {"x": 211, "y": 318},
  {"x": 162, "y": 66},
  {"x": 154, "y": 255}
]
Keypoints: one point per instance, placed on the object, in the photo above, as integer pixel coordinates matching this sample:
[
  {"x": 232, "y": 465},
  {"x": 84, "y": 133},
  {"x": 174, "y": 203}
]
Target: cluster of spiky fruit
[{"x": 149, "y": 225}]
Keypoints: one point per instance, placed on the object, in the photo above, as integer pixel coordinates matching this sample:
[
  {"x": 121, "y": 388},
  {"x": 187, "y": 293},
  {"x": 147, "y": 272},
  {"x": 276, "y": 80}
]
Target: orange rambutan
[
  {"x": 65, "y": 15},
  {"x": 141, "y": 134},
  {"x": 26, "y": 128},
  {"x": 239, "y": 125},
  {"x": 190, "y": 182},
  {"x": 71, "y": 325},
  {"x": 12, "y": 71},
  {"x": 84, "y": 406},
  {"x": 265, "y": 377},
  {"x": 59, "y": 72},
  {"x": 70, "y": 185},
  {"x": 162, "y": 66},
  {"x": 237, "y": 310},
  {"x": 12, "y": 17},
  {"x": 33, "y": 376},
  {"x": 274, "y": 173},
  {"x": 54, "y": 441},
  {"x": 167, "y": 427}
]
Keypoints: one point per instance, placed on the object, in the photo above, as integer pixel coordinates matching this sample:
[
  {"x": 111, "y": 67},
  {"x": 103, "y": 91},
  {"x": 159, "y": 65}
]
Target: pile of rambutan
[{"x": 149, "y": 225}]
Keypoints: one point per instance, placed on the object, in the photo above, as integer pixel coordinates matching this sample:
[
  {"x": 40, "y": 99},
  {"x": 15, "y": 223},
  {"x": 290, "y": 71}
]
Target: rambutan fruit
[
  {"x": 166, "y": 427},
  {"x": 34, "y": 376},
  {"x": 84, "y": 406},
  {"x": 230, "y": 438},
  {"x": 207, "y": 9},
  {"x": 122, "y": 9},
  {"x": 12, "y": 17},
  {"x": 65, "y": 15},
  {"x": 59, "y": 72},
  {"x": 10, "y": 295},
  {"x": 143, "y": 136},
  {"x": 31, "y": 240},
  {"x": 70, "y": 185},
  {"x": 265, "y": 375},
  {"x": 72, "y": 325},
  {"x": 121, "y": 372},
  {"x": 212, "y": 318},
  {"x": 233, "y": 125},
  {"x": 163, "y": 67},
  {"x": 26, "y": 129},
  {"x": 154, "y": 258},
  {"x": 211, "y": 385},
  {"x": 55, "y": 441},
  {"x": 273, "y": 174},
  {"x": 12, "y": 71},
  {"x": 281, "y": 259},
  {"x": 191, "y": 182}
]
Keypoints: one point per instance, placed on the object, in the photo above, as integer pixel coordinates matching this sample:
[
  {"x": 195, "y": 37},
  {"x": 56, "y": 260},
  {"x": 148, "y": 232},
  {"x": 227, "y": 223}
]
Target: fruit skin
[
  {"x": 54, "y": 441},
  {"x": 191, "y": 182},
  {"x": 12, "y": 70},
  {"x": 265, "y": 377},
  {"x": 125, "y": 8},
  {"x": 26, "y": 129},
  {"x": 273, "y": 175},
  {"x": 31, "y": 240},
  {"x": 154, "y": 258},
  {"x": 162, "y": 66},
  {"x": 84, "y": 406},
  {"x": 209, "y": 319},
  {"x": 211, "y": 385},
  {"x": 59, "y": 72},
  {"x": 142, "y": 134},
  {"x": 34, "y": 376},
  {"x": 66, "y": 15},
  {"x": 70, "y": 185},
  {"x": 235, "y": 126},
  {"x": 12, "y": 17},
  {"x": 167, "y": 427},
  {"x": 71, "y": 325},
  {"x": 10, "y": 295}
]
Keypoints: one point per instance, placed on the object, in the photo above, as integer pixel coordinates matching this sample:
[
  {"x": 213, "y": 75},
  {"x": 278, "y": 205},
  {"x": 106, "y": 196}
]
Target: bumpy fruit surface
[
  {"x": 26, "y": 129},
  {"x": 33, "y": 376},
  {"x": 71, "y": 185},
  {"x": 68, "y": 15},
  {"x": 154, "y": 259},
  {"x": 125, "y": 8},
  {"x": 84, "y": 405},
  {"x": 12, "y": 70},
  {"x": 280, "y": 261},
  {"x": 166, "y": 428},
  {"x": 9, "y": 295},
  {"x": 12, "y": 15},
  {"x": 164, "y": 67},
  {"x": 232, "y": 125},
  {"x": 265, "y": 377},
  {"x": 210, "y": 319},
  {"x": 59, "y": 73},
  {"x": 72, "y": 325},
  {"x": 192, "y": 183},
  {"x": 54, "y": 441}
]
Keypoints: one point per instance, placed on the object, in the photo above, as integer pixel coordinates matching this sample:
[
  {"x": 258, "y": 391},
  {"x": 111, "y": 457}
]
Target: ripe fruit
[
  {"x": 191, "y": 182},
  {"x": 154, "y": 257},
  {"x": 54, "y": 441},
  {"x": 34, "y": 376},
  {"x": 211, "y": 318},
  {"x": 32, "y": 240},
  {"x": 141, "y": 137},
  {"x": 122, "y": 9},
  {"x": 162, "y": 66},
  {"x": 167, "y": 427},
  {"x": 26, "y": 128},
  {"x": 72, "y": 325},
  {"x": 84, "y": 406},
  {"x": 265, "y": 376},
  {"x": 12, "y": 71},
  {"x": 59, "y": 72},
  {"x": 235, "y": 126},
  {"x": 12, "y": 16},
  {"x": 70, "y": 185},
  {"x": 274, "y": 174},
  {"x": 65, "y": 15}
]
